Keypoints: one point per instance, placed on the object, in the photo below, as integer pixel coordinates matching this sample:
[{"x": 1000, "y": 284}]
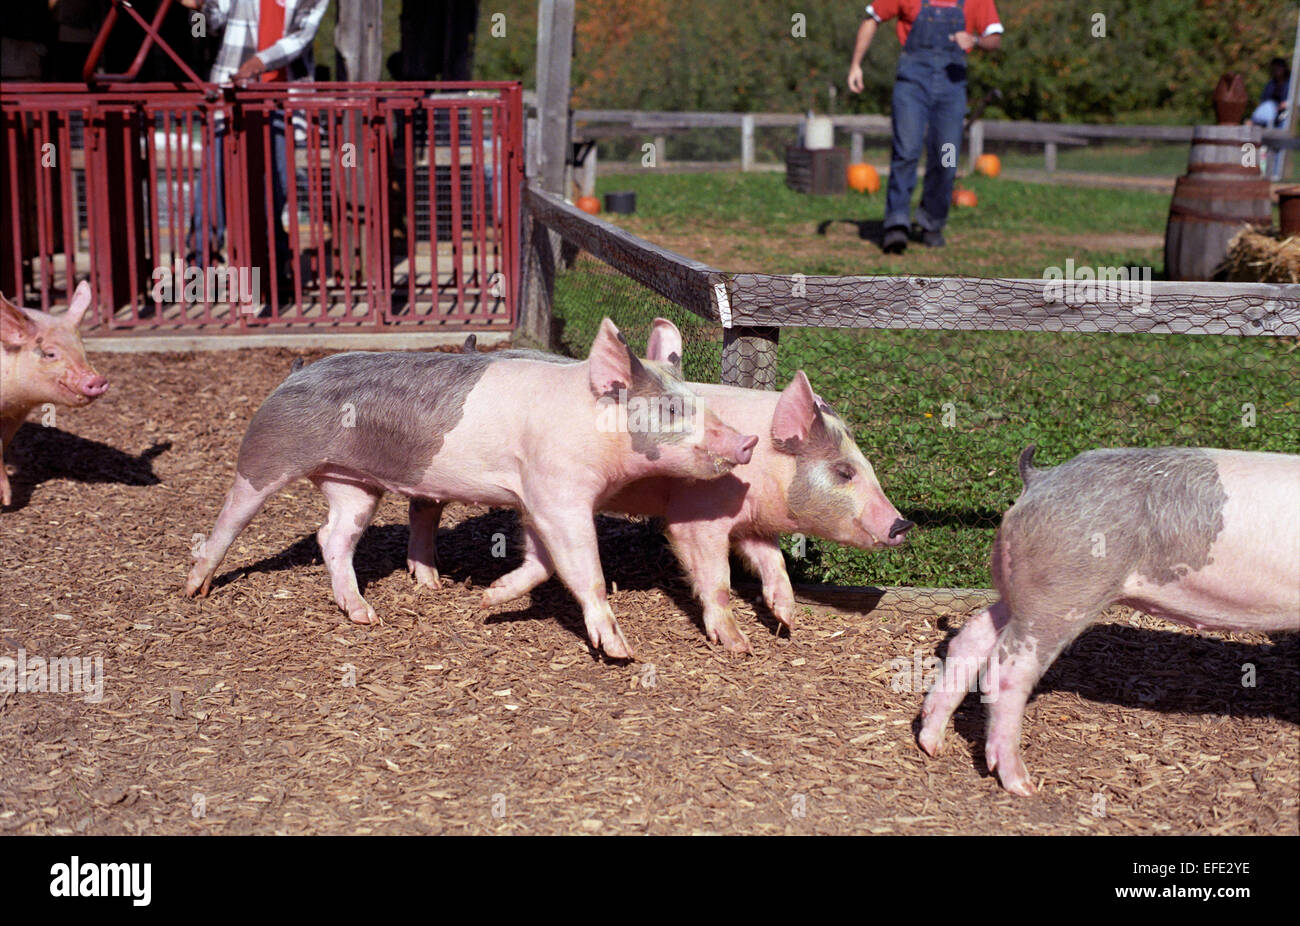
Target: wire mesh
[{"x": 590, "y": 289}]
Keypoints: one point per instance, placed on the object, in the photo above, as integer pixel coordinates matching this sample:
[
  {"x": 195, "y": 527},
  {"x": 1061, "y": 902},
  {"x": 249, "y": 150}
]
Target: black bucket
[{"x": 623, "y": 202}]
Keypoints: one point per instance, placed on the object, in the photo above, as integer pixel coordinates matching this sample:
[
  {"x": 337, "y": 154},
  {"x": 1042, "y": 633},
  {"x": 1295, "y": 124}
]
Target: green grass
[
  {"x": 738, "y": 221},
  {"x": 1065, "y": 392}
]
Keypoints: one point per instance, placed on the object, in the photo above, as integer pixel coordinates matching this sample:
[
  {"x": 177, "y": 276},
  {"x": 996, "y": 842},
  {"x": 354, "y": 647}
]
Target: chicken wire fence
[
  {"x": 587, "y": 290},
  {"x": 945, "y": 380}
]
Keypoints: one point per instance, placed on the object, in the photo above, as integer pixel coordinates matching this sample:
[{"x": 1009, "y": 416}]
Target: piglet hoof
[
  {"x": 783, "y": 611},
  {"x": 197, "y": 584},
  {"x": 424, "y": 574},
  {"x": 363, "y": 614},
  {"x": 609, "y": 639},
  {"x": 931, "y": 739},
  {"x": 732, "y": 639},
  {"x": 1011, "y": 772},
  {"x": 494, "y": 596}
]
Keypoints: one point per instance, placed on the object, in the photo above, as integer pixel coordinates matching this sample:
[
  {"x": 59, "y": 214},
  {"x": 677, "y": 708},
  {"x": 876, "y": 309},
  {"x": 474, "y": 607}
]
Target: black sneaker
[
  {"x": 895, "y": 241},
  {"x": 932, "y": 238}
]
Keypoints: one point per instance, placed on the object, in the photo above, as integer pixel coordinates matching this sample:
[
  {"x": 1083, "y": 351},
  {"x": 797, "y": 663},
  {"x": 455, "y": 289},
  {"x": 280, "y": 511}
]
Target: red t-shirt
[{"x": 981, "y": 15}]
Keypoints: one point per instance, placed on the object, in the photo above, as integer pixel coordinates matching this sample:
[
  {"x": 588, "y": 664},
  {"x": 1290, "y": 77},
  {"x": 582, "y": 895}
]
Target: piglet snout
[
  {"x": 94, "y": 387},
  {"x": 900, "y": 526}
]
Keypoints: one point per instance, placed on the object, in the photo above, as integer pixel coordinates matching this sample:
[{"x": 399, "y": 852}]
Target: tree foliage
[{"x": 1157, "y": 60}]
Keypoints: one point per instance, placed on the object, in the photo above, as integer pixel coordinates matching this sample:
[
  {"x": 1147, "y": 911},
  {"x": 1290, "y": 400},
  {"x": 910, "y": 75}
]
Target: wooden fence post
[
  {"x": 537, "y": 285},
  {"x": 747, "y": 142},
  {"x": 554, "y": 58},
  {"x": 587, "y": 183},
  {"x": 976, "y": 142},
  {"x": 749, "y": 356},
  {"x": 548, "y": 160},
  {"x": 1049, "y": 156}
]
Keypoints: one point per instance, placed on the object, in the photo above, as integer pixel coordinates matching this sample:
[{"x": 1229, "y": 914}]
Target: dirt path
[{"x": 262, "y": 710}]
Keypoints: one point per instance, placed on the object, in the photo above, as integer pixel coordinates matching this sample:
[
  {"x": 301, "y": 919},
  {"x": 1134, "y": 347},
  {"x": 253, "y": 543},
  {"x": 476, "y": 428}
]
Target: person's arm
[
  {"x": 302, "y": 32},
  {"x": 866, "y": 32},
  {"x": 982, "y": 18}
]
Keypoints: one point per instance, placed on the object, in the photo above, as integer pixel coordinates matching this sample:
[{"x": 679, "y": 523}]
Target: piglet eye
[{"x": 845, "y": 472}]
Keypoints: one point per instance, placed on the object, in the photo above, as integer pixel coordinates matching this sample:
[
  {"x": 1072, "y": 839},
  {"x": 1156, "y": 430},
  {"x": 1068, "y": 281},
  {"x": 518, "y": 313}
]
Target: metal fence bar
[{"x": 139, "y": 153}]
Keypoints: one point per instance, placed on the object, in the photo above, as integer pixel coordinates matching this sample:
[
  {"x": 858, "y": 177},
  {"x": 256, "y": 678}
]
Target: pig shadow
[
  {"x": 41, "y": 454},
  {"x": 634, "y": 555},
  {"x": 1165, "y": 671},
  {"x": 872, "y": 230}
]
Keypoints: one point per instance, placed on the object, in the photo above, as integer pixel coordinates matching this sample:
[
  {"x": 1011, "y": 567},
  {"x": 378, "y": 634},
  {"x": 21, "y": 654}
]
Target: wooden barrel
[{"x": 1214, "y": 200}]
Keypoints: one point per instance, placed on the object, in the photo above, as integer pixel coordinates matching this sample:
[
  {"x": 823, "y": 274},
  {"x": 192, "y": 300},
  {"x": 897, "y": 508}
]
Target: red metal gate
[{"x": 401, "y": 203}]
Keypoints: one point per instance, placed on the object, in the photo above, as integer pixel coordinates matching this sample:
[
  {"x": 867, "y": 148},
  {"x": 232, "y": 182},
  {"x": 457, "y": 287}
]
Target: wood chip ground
[{"x": 263, "y": 710}]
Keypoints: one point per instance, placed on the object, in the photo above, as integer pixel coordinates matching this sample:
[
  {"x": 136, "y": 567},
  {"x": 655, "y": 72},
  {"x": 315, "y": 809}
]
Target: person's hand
[
  {"x": 250, "y": 69},
  {"x": 964, "y": 40},
  {"x": 855, "y": 79}
]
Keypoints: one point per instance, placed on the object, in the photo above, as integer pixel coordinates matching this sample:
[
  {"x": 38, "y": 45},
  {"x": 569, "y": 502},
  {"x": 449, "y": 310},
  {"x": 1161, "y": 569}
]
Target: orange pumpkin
[
  {"x": 588, "y": 204},
  {"x": 964, "y": 198},
  {"x": 988, "y": 164},
  {"x": 863, "y": 178}
]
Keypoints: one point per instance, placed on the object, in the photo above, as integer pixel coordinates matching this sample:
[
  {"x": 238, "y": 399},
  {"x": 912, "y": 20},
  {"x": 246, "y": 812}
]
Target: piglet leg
[
  {"x": 702, "y": 550},
  {"x": 351, "y": 508},
  {"x": 1025, "y": 648},
  {"x": 968, "y": 654},
  {"x": 535, "y": 569},
  {"x": 242, "y": 502},
  {"x": 8, "y": 428},
  {"x": 763, "y": 554},
  {"x": 421, "y": 547},
  {"x": 569, "y": 537}
]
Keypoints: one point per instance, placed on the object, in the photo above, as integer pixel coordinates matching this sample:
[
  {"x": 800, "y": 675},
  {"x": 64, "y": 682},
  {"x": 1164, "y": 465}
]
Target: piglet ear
[
  {"x": 610, "y": 360},
  {"x": 80, "y": 302},
  {"x": 16, "y": 329},
  {"x": 796, "y": 411},
  {"x": 665, "y": 344}
]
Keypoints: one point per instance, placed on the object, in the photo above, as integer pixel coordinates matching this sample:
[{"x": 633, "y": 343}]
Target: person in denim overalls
[{"x": 929, "y": 107}]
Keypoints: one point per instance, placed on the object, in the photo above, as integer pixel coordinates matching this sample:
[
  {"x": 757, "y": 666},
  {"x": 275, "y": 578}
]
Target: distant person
[
  {"x": 1272, "y": 102},
  {"x": 268, "y": 40},
  {"x": 929, "y": 103}
]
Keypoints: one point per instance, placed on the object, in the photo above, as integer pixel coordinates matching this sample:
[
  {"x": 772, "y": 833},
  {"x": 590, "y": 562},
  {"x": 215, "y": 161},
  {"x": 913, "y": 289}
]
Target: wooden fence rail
[
  {"x": 753, "y": 307},
  {"x": 601, "y": 123}
]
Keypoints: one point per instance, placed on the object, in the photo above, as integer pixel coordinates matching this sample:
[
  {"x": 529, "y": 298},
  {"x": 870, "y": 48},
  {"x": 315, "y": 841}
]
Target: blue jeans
[
  {"x": 1267, "y": 114},
  {"x": 210, "y": 193},
  {"x": 929, "y": 109}
]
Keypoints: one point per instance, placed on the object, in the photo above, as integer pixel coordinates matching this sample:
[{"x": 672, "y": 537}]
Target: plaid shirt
[{"x": 239, "y": 42}]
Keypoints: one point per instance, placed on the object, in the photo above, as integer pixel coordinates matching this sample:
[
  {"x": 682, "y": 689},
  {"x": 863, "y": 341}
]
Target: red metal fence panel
[{"x": 276, "y": 205}]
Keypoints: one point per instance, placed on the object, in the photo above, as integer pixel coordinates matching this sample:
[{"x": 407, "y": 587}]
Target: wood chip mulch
[{"x": 263, "y": 710}]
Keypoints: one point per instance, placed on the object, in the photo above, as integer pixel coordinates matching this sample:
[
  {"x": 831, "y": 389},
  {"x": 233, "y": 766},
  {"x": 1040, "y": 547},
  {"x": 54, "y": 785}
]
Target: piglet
[
  {"x": 1207, "y": 538},
  {"x": 520, "y": 429},
  {"x": 42, "y": 360},
  {"x": 807, "y": 475}
]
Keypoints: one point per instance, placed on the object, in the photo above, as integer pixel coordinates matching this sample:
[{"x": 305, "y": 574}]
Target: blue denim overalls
[{"x": 929, "y": 108}]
